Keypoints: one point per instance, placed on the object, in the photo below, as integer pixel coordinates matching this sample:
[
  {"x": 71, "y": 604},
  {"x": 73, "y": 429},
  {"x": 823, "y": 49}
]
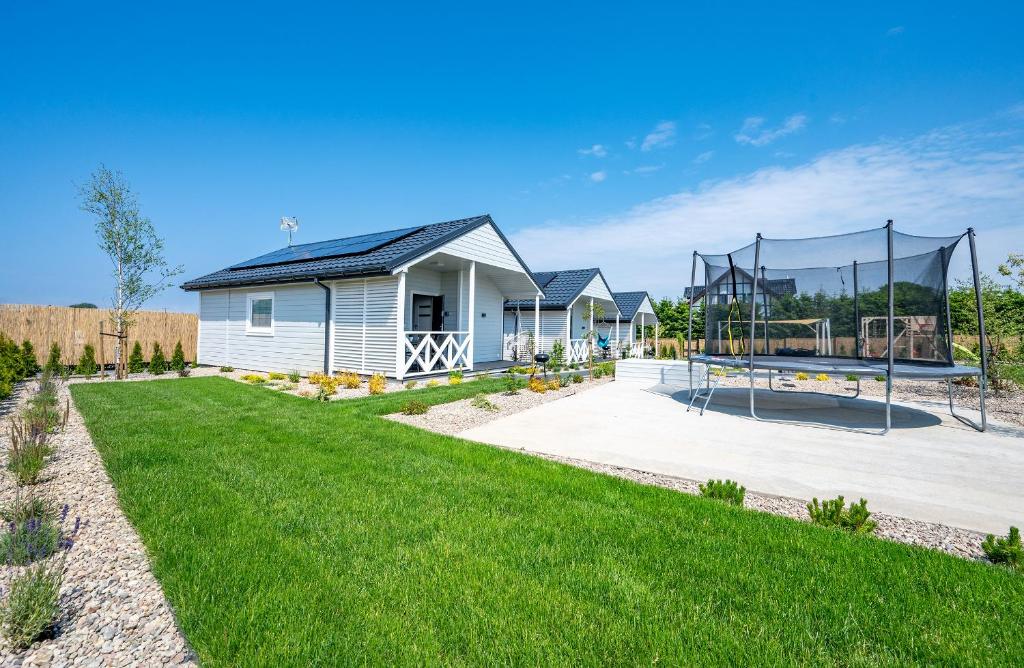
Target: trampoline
[{"x": 875, "y": 301}]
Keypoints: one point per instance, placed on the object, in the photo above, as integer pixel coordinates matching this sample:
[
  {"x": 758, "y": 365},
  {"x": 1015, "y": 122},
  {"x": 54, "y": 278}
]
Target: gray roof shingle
[
  {"x": 560, "y": 288},
  {"x": 378, "y": 261},
  {"x": 629, "y": 302}
]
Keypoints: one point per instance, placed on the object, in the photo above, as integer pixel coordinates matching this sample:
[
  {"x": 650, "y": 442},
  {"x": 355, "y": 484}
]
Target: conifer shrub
[
  {"x": 833, "y": 513},
  {"x": 177, "y": 358},
  {"x": 1007, "y": 551},
  {"x": 136, "y": 362},
  {"x": 157, "y": 362},
  {"x": 87, "y": 362},
  {"x": 414, "y": 407},
  {"x": 53, "y": 362},
  {"x": 728, "y": 491},
  {"x": 29, "y": 365}
]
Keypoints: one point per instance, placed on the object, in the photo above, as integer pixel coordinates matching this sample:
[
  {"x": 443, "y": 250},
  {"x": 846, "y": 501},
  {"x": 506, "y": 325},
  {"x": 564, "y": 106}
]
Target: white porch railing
[
  {"x": 636, "y": 350},
  {"x": 578, "y": 351},
  {"x": 516, "y": 347},
  {"x": 432, "y": 352}
]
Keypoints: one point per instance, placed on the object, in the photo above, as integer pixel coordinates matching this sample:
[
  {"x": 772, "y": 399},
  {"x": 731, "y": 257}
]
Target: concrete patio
[{"x": 930, "y": 467}]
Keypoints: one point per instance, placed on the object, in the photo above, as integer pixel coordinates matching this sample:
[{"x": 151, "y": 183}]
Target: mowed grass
[{"x": 288, "y": 532}]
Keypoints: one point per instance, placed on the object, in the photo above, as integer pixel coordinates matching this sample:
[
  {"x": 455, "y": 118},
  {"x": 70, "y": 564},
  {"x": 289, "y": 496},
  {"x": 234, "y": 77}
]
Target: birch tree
[{"x": 130, "y": 241}]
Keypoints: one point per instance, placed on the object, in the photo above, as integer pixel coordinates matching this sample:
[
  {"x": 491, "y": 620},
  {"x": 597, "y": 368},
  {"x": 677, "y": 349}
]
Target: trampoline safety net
[{"x": 828, "y": 297}]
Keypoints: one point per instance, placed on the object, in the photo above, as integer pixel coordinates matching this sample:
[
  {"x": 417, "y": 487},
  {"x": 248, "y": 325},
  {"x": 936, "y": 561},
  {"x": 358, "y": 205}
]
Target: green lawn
[{"x": 288, "y": 532}]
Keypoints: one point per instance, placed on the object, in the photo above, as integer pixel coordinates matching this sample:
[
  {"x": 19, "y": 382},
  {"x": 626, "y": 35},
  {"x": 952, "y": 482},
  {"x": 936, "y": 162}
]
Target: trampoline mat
[{"x": 839, "y": 365}]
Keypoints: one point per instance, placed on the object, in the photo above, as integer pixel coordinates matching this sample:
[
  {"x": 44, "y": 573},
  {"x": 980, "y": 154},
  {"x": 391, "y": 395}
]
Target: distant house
[
  {"x": 405, "y": 302},
  {"x": 636, "y": 310},
  {"x": 559, "y": 315},
  {"x": 722, "y": 288}
]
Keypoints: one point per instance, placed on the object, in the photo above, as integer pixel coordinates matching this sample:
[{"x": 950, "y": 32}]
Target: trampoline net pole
[
  {"x": 689, "y": 325},
  {"x": 890, "y": 339},
  {"x": 764, "y": 299},
  {"x": 856, "y": 315},
  {"x": 983, "y": 380},
  {"x": 753, "y": 315}
]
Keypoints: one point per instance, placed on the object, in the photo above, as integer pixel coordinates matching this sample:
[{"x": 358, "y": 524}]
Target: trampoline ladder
[{"x": 694, "y": 394}]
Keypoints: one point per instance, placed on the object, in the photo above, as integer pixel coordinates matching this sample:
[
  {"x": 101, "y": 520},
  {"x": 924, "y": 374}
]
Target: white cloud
[
  {"x": 939, "y": 183},
  {"x": 753, "y": 132},
  {"x": 703, "y": 157},
  {"x": 894, "y": 32},
  {"x": 663, "y": 134},
  {"x": 597, "y": 177},
  {"x": 704, "y": 131},
  {"x": 837, "y": 119},
  {"x": 597, "y": 150},
  {"x": 644, "y": 169}
]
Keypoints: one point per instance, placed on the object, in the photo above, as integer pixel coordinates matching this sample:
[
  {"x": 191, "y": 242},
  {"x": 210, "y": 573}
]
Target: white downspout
[{"x": 400, "y": 342}]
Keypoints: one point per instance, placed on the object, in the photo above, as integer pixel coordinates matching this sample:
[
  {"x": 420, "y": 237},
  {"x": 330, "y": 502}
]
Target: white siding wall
[
  {"x": 483, "y": 245},
  {"x": 599, "y": 289},
  {"x": 487, "y": 330},
  {"x": 213, "y": 327},
  {"x": 452, "y": 303},
  {"x": 552, "y": 326},
  {"x": 298, "y": 338},
  {"x": 365, "y": 324}
]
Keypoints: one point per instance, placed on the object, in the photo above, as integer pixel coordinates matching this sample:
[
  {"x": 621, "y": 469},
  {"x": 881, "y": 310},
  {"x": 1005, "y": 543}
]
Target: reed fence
[{"x": 73, "y": 328}]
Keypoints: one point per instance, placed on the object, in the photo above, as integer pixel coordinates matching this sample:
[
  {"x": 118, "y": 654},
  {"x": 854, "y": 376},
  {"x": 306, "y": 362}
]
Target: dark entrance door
[{"x": 427, "y": 313}]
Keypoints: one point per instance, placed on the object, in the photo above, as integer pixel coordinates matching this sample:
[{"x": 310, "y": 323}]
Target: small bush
[
  {"x": 563, "y": 381},
  {"x": 274, "y": 375},
  {"x": 184, "y": 372},
  {"x": 557, "y": 353},
  {"x": 29, "y": 365},
  {"x": 577, "y": 378},
  {"x": 821, "y": 376},
  {"x": 284, "y": 387},
  {"x": 537, "y": 385},
  {"x": 87, "y": 362},
  {"x": 227, "y": 369},
  {"x": 523, "y": 370},
  {"x": 32, "y": 531},
  {"x": 724, "y": 490},
  {"x": 1007, "y": 550},
  {"x": 597, "y": 373},
  {"x": 177, "y": 358},
  {"x": 880, "y": 379},
  {"x": 433, "y": 382},
  {"x": 800, "y": 375},
  {"x": 349, "y": 380},
  {"x": 832, "y": 513},
  {"x": 454, "y": 377},
  {"x": 410, "y": 385},
  {"x": 852, "y": 377},
  {"x": 483, "y": 403},
  {"x": 512, "y": 385},
  {"x": 28, "y": 450},
  {"x": 554, "y": 384},
  {"x": 53, "y": 363},
  {"x": 414, "y": 408},
  {"x": 136, "y": 363},
  {"x": 157, "y": 363},
  {"x": 294, "y": 377},
  {"x": 377, "y": 383},
  {"x": 254, "y": 379}
]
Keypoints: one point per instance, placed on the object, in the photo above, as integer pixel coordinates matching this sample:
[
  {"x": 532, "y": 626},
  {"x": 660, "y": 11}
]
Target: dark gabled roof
[
  {"x": 775, "y": 287},
  {"x": 560, "y": 288},
  {"x": 381, "y": 260},
  {"x": 629, "y": 302}
]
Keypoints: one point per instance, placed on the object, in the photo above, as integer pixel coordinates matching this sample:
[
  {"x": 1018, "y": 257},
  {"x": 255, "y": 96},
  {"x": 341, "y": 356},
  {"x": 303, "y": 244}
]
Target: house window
[{"x": 260, "y": 313}]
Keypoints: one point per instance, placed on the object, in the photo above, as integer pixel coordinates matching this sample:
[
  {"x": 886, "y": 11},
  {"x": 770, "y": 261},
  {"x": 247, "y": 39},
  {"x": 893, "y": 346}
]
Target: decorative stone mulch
[
  {"x": 458, "y": 416},
  {"x": 114, "y": 612}
]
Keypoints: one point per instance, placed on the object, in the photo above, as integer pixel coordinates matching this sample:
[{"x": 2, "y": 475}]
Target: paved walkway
[{"x": 930, "y": 467}]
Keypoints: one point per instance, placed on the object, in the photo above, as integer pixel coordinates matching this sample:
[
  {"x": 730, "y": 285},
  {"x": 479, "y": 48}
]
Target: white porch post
[
  {"x": 536, "y": 324},
  {"x": 472, "y": 312},
  {"x": 400, "y": 320},
  {"x": 590, "y": 339},
  {"x": 618, "y": 341},
  {"x": 655, "y": 339},
  {"x": 568, "y": 328},
  {"x": 643, "y": 335}
]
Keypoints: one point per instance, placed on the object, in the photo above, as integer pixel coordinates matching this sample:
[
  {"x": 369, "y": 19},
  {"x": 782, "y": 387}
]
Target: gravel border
[
  {"x": 458, "y": 416},
  {"x": 114, "y": 612}
]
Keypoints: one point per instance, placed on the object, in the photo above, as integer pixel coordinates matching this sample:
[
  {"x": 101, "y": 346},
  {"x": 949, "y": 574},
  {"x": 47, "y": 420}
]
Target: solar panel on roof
[{"x": 327, "y": 249}]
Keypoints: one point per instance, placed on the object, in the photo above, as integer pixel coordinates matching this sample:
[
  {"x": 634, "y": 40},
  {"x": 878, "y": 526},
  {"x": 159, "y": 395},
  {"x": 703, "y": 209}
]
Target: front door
[{"x": 427, "y": 313}]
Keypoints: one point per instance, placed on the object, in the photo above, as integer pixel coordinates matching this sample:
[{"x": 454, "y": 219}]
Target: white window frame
[{"x": 258, "y": 331}]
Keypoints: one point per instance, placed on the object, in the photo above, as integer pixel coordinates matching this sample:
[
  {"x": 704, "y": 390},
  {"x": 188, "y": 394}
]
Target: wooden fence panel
[{"x": 73, "y": 328}]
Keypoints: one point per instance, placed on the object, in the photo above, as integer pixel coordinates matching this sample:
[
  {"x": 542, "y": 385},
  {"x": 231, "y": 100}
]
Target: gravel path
[
  {"x": 115, "y": 612},
  {"x": 1006, "y": 406},
  {"x": 458, "y": 416}
]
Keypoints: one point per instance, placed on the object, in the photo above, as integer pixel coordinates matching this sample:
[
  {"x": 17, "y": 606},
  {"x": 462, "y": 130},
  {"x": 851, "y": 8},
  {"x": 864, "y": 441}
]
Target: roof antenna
[{"x": 289, "y": 224}]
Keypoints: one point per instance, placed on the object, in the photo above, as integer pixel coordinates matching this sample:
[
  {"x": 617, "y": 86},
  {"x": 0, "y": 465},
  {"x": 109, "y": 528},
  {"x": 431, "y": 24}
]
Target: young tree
[
  {"x": 136, "y": 363},
  {"x": 593, "y": 312},
  {"x": 130, "y": 241},
  {"x": 178, "y": 358}
]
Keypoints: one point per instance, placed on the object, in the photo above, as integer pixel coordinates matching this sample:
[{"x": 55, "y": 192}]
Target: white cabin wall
[
  {"x": 596, "y": 288},
  {"x": 452, "y": 303},
  {"x": 485, "y": 246},
  {"x": 297, "y": 342},
  {"x": 487, "y": 320}
]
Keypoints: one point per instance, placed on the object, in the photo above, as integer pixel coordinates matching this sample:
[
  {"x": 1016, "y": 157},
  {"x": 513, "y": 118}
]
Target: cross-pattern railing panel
[
  {"x": 516, "y": 347},
  {"x": 578, "y": 352},
  {"x": 432, "y": 352}
]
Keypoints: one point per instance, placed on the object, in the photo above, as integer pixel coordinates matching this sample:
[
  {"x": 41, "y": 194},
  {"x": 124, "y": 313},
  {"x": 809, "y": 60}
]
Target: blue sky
[{"x": 606, "y": 135}]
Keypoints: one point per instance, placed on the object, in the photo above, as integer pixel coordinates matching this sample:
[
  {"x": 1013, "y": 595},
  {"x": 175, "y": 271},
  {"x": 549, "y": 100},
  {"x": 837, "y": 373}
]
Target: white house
[
  {"x": 565, "y": 313},
  {"x": 405, "y": 302},
  {"x": 637, "y": 310}
]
